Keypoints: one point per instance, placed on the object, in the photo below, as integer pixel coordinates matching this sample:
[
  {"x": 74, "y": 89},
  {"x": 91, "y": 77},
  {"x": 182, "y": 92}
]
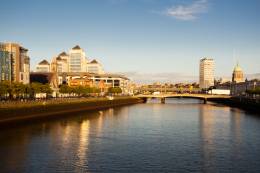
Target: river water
[{"x": 183, "y": 135}]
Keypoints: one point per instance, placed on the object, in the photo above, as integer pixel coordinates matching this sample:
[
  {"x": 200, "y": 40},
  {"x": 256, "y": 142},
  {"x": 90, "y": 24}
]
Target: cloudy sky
[{"x": 158, "y": 37}]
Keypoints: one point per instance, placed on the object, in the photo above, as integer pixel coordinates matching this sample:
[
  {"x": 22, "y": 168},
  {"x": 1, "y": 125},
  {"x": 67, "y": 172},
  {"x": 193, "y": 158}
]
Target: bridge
[{"x": 204, "y": 97}]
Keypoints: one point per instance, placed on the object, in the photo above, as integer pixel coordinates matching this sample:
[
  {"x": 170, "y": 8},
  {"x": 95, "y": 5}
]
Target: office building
[
  {"x": 102, "y": 81},
  {"x": 206, "y": 73},
  {"x": 95, "y": 67},
  {"x": 60, "y": 63},
  {"x": 14, "y": 63},
  {"x": 77, "y": 60},
  {"x": 43, "y": 66}
]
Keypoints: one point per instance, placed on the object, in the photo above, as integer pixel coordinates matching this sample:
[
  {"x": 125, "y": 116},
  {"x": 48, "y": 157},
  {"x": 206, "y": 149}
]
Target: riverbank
[
  {"x": 23, "y": 111},
  {"x": 242, "y": 103}
]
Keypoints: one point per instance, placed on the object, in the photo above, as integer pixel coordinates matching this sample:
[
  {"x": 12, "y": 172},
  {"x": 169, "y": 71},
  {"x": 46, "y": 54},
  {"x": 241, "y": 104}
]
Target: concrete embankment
[
  {"x": 242, "y": 103},
  {"x": 14, "y": 114}
]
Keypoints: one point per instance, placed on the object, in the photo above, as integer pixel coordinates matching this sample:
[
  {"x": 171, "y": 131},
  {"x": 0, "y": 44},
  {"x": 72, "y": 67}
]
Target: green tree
[
  {"x": 46, "y": 88},
  {"x": 254, "y": 91},
  {"x": 79, "y": 90},
  {"x": 18, "y": 89},
  {"x": 65, "y": 89},
  {"x": 114, "y": 90},
  {"x": 4, "y": 88}
]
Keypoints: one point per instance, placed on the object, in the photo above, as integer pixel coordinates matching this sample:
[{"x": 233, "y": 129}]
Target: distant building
[
  {"x": 238, "y": 75},
  {"x": 43, "y": 66},
  {"x": 5, "y": 64},
  {"x": 14, "y": 63},
  {"x": 206, "y": 73},
  {"x": 241, "y": 87},
  {"x": 95, "y": 67},
  {"x": 102, "y": 81},
  {"x": 77, "y": 60},
  {"x": 60, "y": 63}
]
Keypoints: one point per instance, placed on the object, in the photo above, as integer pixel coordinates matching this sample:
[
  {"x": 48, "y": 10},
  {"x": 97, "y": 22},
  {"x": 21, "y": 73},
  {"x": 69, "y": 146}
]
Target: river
[{"x": 183, "y": 135}]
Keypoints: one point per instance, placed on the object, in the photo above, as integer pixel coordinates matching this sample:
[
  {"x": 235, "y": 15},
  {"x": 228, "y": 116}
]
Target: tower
[
  {"x": 238, "y": 75},
  {"x": 206, "y": 73}
]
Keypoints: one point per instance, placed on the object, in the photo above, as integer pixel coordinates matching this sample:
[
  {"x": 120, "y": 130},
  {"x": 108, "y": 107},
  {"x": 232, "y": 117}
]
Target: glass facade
[
  {"x": 75, "y": 62},
  {"x": 14, "y": 63},
  {"x": 5, "y": 65}
]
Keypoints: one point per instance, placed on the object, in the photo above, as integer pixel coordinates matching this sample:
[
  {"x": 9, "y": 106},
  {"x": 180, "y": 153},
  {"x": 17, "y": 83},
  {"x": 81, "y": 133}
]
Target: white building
[
  {"x": 77, "y": 60},
  {"x": 62, "y": 62},
  {"x": 43, "y": 66},
  {"x": 26, "y": 73},
  {"x": 98, "y": 80},
  {"x": 95, "y": 67},
  {"x": 206, "y": 73}
]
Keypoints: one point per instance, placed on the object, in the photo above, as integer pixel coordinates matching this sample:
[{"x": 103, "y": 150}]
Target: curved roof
[{"x": 237, "y": 68}]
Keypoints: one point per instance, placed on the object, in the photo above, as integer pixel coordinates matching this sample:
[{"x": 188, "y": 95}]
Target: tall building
[
  {"x": 5, "y": 64},
  {"x": 77, "y": 60},
  {"x": 95, "y": 67},
  {"x": 206, "y": 73},
  {"x": 43, "y": 66},
  {"x": 15, "y": 63},
  {"x": 238, "y": 75},
  {"x": 60, "y": 64}
]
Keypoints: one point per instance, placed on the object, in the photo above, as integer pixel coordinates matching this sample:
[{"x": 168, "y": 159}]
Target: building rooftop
[
  {"x": 203, "y": 59},
  {"x": 76, "y": 47},
  {"x": 94, "y": 62},
  {"x": 58, "y": 58},
  {"x": 63, "y": 54},
  {"x": 237, "y": 68},
  {"x": 44, "y": 62},
  {"x": 106, "y": 75}
]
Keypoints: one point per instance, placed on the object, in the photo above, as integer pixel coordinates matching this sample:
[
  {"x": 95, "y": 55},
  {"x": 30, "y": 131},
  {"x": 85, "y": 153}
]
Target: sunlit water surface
[{"x": 183, "y": 135}]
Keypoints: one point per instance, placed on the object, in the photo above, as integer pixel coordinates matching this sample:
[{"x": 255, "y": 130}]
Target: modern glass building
[
  {"x": 5, "y": 64},
  {"x": 14, "y": 63},
  {"x": 77, "y": 60}
]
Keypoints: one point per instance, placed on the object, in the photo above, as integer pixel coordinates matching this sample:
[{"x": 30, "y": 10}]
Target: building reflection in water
[
  {"x": 235, "y": 130},
  {"x": 214, "y": 125},
  {"x": 82, "y": 150},
  {"x": 99, "y": 123}
]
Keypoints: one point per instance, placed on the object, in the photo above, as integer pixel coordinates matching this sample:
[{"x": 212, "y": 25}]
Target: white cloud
[{"x": 188, "y": 12}]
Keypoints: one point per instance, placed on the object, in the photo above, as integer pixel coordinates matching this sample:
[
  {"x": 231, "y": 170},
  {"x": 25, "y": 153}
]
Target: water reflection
[
  {"x": 82, "y": 161},
  {"x": 183, "y": 135}
]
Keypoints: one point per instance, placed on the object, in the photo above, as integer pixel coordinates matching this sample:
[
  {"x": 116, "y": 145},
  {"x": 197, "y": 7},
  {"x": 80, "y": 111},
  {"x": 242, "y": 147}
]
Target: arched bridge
[{"x": 204, "y": 97}]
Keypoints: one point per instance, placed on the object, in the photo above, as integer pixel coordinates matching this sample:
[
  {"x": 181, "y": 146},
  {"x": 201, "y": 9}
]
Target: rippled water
[{"x": 183, "y": 135}]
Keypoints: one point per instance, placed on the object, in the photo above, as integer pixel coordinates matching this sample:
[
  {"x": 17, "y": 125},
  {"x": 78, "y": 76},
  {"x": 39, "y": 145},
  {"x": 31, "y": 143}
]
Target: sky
[{"x": 148, "y": 38}]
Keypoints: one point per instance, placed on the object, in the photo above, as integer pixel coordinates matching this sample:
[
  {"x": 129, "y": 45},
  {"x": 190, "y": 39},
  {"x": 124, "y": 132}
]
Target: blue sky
[{"x": 144, "y": 36}]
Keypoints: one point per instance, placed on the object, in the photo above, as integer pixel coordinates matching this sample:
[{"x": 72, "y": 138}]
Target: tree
[
  {"x": 46, "y": 88},
  {"x": 79, "y": 90},
  {"x": 254, "y": 91},
  {"x": 114, "y": 90},
  {"x": 65, "y": 89},
  {"x": 4, "y": 88},
  {"x": 95, "y": 90},
  {"x": 18, "y": 89}
]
